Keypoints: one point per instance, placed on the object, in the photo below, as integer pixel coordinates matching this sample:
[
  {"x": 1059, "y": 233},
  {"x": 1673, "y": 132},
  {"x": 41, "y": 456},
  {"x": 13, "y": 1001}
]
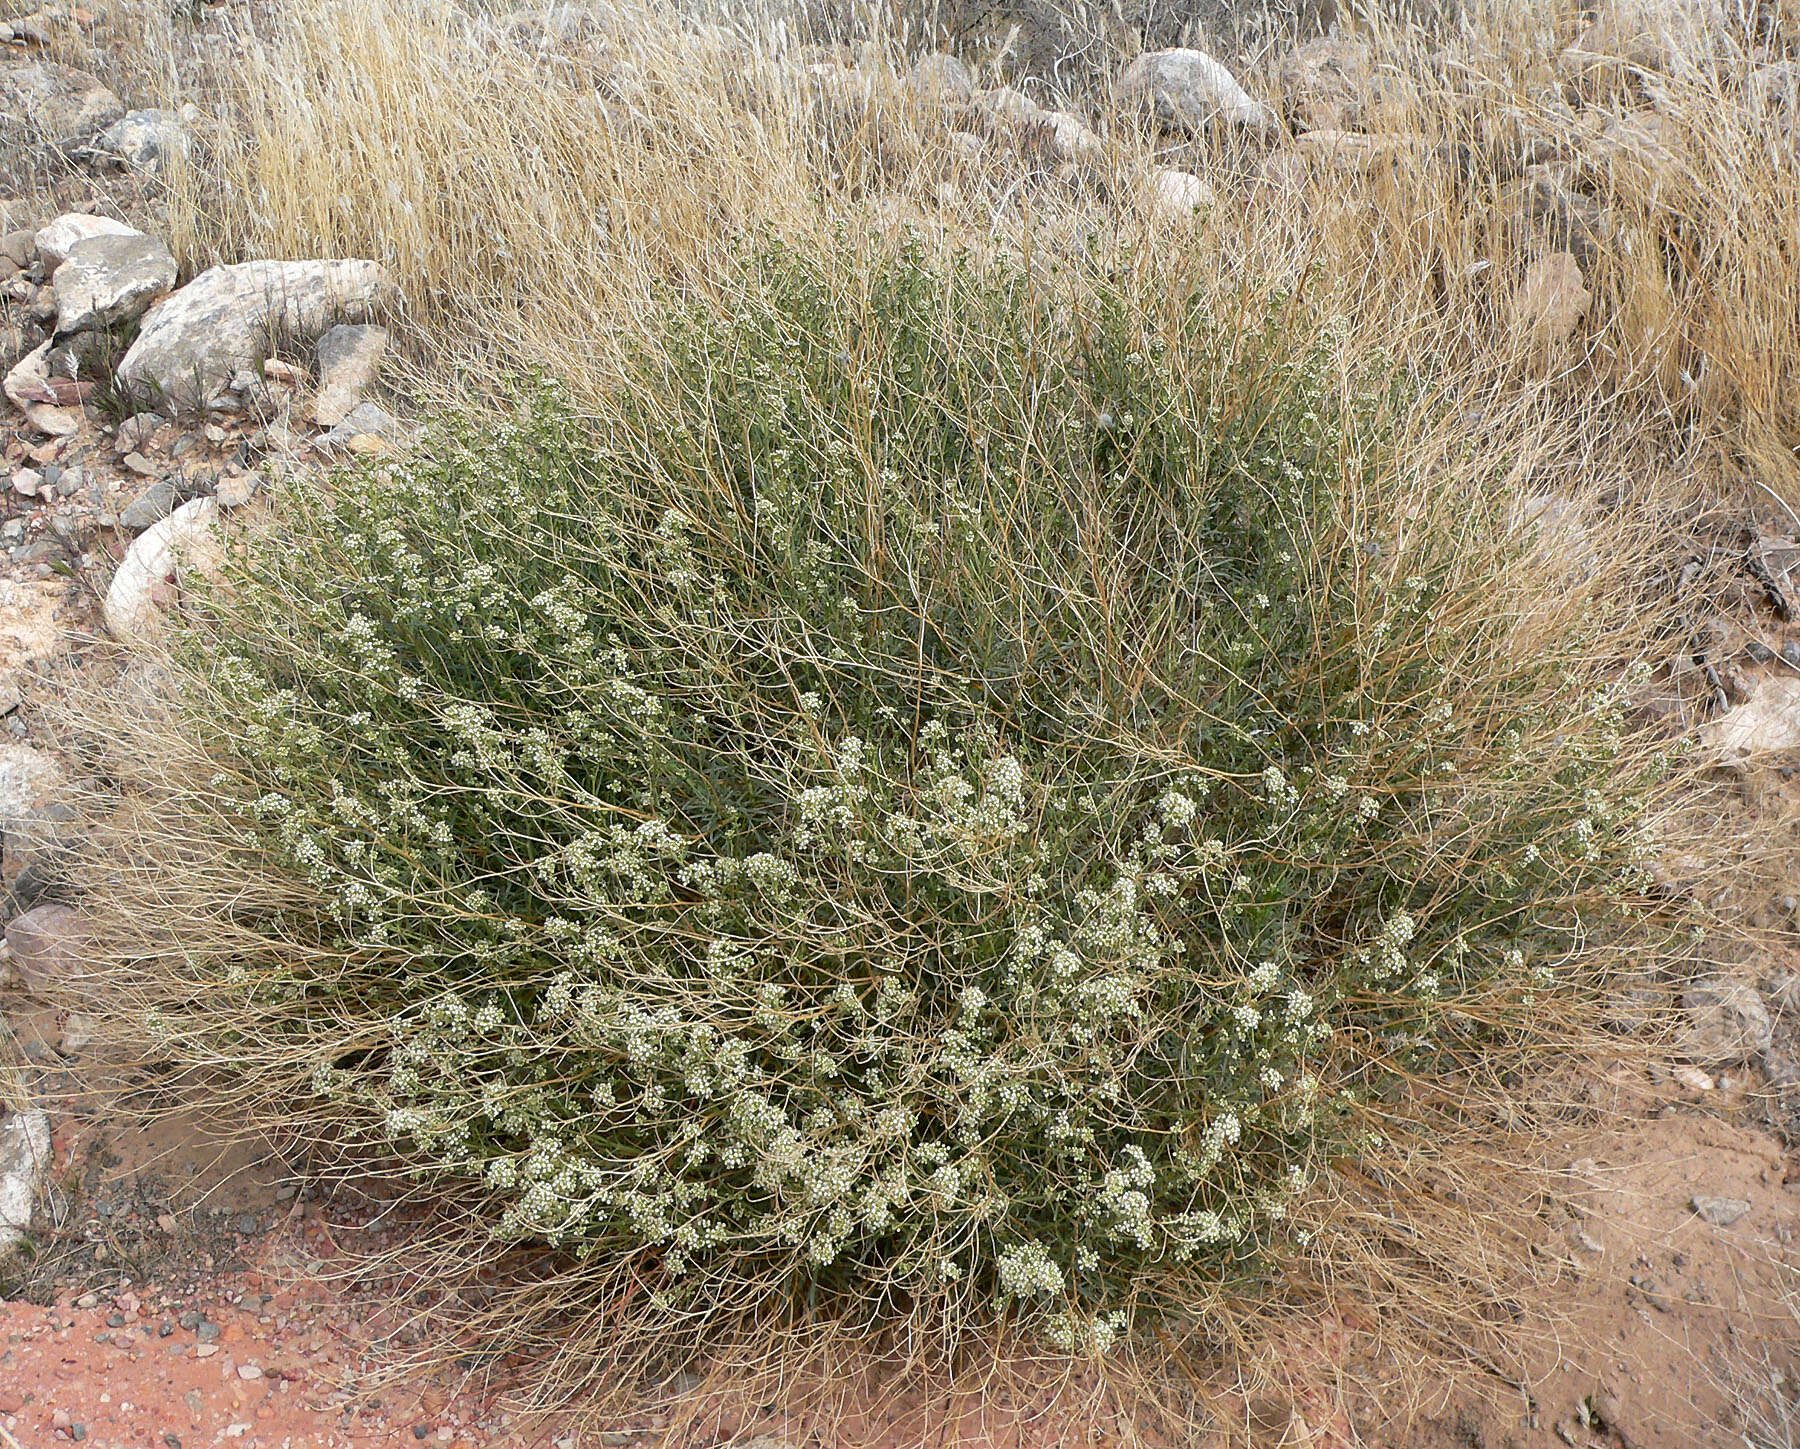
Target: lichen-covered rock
[
  {"x": 225, "y": 320},
  {"x": 111, "y": 279},
  {"x": 1327, "y": 84},
  {"x": 145, "y": 140}
]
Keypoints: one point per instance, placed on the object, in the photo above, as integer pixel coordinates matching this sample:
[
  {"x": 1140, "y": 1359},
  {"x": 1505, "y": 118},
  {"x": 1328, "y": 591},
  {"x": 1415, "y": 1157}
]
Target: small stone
[
  {"x": 60, "y": 1421},
  {"x": 166, "y": 1221},
  {"x": 136, "y": 431},
  {"x": 207, "y": 1332},
  {"x": 246, "y": 1224},
  {"x": 1790, "y": 652},
  {"x": 349, "y": 358},
  {"x": 367, "y": 429},
  {"x": 190, "y": 1318},
  {"x": 27, "y": 481},
  {"x": 155, "y": 503},
  {"x": 1177, "y": 196},
  {"x": 139, "y": 464},
  {"x": 205, "y": 1350},
  {"x": 1552, "y": 300},
  {"x": 235, "y": 490},
  {"x": 1721, "y": 1212},
  {"x": 1758, "y": 651},
  {"x": 46, "y": 944},
  {"x": 249, "y": 1372},
  {"x": 1727, "y": 1022},
  {"x": 1768, "y": 723},
  {"x": 165, "y": 1329}
]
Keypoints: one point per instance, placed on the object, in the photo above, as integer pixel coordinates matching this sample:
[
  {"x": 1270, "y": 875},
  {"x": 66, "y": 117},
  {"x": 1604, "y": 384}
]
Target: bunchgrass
[{"x": 938, "y": 804}]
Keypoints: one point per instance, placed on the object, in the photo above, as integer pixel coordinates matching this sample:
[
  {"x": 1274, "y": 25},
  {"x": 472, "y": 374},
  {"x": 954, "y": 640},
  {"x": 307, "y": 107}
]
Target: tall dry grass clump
[{"x": 972, "y": 739}]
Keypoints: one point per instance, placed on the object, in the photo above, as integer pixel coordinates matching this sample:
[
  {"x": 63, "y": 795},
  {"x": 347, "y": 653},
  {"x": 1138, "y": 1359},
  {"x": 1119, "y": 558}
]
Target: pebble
[
  {"x": 1721, "y": 1212},
  {"x": 206, "y": 1350},
  {"x": 207, "y": 1332},
  {"x": 249, "y": 1371}
]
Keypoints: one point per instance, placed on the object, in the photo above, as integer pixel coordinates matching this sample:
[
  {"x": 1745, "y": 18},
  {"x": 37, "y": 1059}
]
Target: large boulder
[
  {"x": 107, "y": 280},
  {"x": 228, "y": 319},
  {"x": 1188, "y": 90},
  {"x": 54, "y": 103}
]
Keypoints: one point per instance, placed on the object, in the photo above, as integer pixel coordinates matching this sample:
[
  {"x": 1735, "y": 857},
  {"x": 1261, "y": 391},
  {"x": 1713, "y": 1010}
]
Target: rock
[
  {"x": 349, "y": 357},
  {"x": 1176, "y": 195},
  {"x": 195, "y": 341},
  {"x": 1768, "y": 723},
  {"x": 1327, "y": 84},
  {"x": 1007, "y": 105},
  {"x": 1189, "y": 90},
  {"x": 59, "y": 238},
  {"x": 1721, "y": 1212},
  {"x": 136, "y": 432},
  {"x": 367, "y": 429},
  {"x": 941, "y": 79},
  {"x": 28, "y": 627},
  {"x": 1628, "y": 36},
  {"x": 146, "y": 140},
  {"x": 157, "y": 559},
  {"x": 1070, "y": 138},
  {"x": 31, "y": 389},
  {"x": 1543, "y": 207},
  {"x": 46, "y": 945},
  {"x": 1350, "y": 151},
  {"x": 1560, "y": 532},
  {"x": 151, "y": 506},
  {"x": 110, "y": 279},
  {"x": 1726, "y": 1023},
  {"x": 24, "y": 1163},
  {"x": 58, "y": 105},
  {"x": 1551, "y": 301}
]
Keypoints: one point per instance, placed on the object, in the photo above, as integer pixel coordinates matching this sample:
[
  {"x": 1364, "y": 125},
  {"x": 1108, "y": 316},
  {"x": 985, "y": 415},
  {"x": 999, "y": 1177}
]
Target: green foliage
[{"x": 940, "y": 794}]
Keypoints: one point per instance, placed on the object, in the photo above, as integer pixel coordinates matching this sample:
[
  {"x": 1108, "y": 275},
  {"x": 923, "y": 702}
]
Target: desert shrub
[{"x": 944, "y": 794}]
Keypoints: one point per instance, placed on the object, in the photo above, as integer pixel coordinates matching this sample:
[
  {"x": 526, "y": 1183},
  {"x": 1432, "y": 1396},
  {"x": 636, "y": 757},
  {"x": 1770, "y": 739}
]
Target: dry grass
[{"x": 530, "y": 204}]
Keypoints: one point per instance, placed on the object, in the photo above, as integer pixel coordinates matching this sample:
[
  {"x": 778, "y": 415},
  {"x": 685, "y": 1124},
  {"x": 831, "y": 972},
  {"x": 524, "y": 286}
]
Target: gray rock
[
  {"x": 1327, "y": 84},
  {"x": 146, "y": 140},
  {"x": 24, "y": 1163},
  {"x": 1726, "y": 1022},
  {"x": 227, "y": 319},
  {"x": 1189, "y": 91},
  {"x": 349, "y": 357},
  {"x": 942, "y": 79},
  {"x": 56, "y": 104},
  {"x": 153, "y": 505},
  {"x": 366, "y": 429},
  {"x": 46, "y": 945},
  {"x": 1721, "y": 1212},
  {"x": 60, "y": 237},
  {"x": 110, "y": 279},
  {"x": 1766, "y": 724}
]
